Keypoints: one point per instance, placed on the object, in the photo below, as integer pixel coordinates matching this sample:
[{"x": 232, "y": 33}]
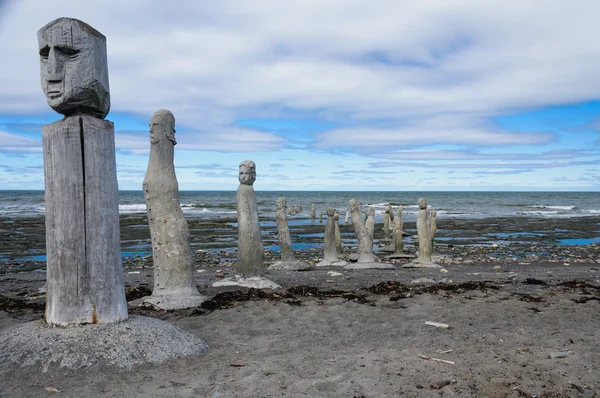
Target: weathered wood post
[
  {"x": 84, "y": 271},
  {"x": 174, "y": 286}
]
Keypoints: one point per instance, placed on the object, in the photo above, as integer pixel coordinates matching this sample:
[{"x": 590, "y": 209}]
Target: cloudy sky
[{"x": 330, "y": 94}]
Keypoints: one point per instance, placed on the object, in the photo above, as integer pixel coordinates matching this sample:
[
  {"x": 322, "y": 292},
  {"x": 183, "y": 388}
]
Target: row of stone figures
[{"x": 84, "y": 271}]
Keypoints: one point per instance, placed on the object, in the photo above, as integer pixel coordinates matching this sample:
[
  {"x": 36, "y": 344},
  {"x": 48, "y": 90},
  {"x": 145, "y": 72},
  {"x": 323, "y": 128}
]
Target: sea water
[{"x": 218, "y": 205}]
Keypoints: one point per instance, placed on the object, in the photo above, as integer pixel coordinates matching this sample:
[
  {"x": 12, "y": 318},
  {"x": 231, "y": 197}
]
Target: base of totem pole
[
  {"x": 332, "y": 263},
  {"x": 295, "y": 265},
  {"x": 174, "y": 301},
  {"x": 139, "y": 340},
  {"x": 256, "y": 282},
  {"x": 354, "y": 266}
]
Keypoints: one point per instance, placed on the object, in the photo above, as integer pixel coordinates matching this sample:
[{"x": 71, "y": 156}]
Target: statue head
[
  {"x": 162, "y": 126},
  {"x": 422, "y": 203},
  {"x": 370, "y": 211},
  {"x": 353, "y": 205},
  {"x": 74, "y": 69},
  {"x": 399, "y": 211},
  {"x": 387, "y": 209},
  {"x": 336, "y": 215},
  {"x": 330, "y": 211},
  {"x": 281, "y": 203},
  {"x": 247, "y": 174},
  {"x": 433, "y": 213}
]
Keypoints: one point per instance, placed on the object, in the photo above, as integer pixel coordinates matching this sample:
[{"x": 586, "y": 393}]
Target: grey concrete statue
[
  {"x": 249, "y": 266},
  {"x": 288, "y": 262},
  {"x": 432, "y": 226},
  {"x": 338, "y": 235},
  {"x": 85, "y": 276},
  {"x": 313, "y": 212},
  {"x": 398, "y": 237},
  {"x": 423, "y": 230},
  {"x": 370, "y": 222},
  {"x": 347, "y": 215},
  {"x": 174, "y": 286},
  {"x": 330, "y": 255},
  {"x": 386, "y": 223},
  {"x": 366, "y": 258}
]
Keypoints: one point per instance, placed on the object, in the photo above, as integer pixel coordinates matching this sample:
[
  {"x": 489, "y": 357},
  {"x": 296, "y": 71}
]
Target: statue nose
[{"x": 54, "y": 67}]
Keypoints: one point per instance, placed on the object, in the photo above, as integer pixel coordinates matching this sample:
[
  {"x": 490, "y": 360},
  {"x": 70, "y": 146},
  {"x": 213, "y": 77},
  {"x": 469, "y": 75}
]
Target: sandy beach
[{"x": 522, "y": 322}]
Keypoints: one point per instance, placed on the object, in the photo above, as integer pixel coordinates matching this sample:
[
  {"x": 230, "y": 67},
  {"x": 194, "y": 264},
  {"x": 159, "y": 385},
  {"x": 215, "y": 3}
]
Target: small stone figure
[
  {"x": 366, "y": 258},
  {"x": 330, "y": 255},
  {"x": 432, "y": 226},
  {"x": 83, "y": 248},
  {"x": 249, "y": 265},
  {"x": 338, "y": 235},
  {"x": 423, "y": 230},
  {"x": 313, "y": 212},
  {"x": 386, "y": 224},
  {"x": 288, "y": 262},
  {"x": 347, "y": 215},
  {"x": 174, "y": 286},
  {"x": 320, "y": 218},
  {"x": 398, "y": 237}
]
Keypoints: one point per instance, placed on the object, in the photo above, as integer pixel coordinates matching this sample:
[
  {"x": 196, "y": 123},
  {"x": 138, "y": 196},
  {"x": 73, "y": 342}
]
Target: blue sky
[{"x": 330, "y": 95}]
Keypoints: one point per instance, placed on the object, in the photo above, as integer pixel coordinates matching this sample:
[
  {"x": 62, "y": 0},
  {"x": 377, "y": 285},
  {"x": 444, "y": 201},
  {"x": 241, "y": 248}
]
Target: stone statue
[
  {"x": 432, "y": 226},
  {"x": 288, "y": 262},
  {"x": 398, "y": 237},
  {"x": 313, "y": 212},
  {"x": 330, "y": 255},
  {"x": 423, "y": 230},
  {"x": 174, "y": 286},
  {"x": 85, "y": 276},
  {"x": 249, "y": 266},
  {"x": 370, "y": 222},
  {"x": 366, "y": 258},
  {"x": 347, "y": 215},
  {"x": 386, "y": 223},
  {"x": 338, "y": 235}
]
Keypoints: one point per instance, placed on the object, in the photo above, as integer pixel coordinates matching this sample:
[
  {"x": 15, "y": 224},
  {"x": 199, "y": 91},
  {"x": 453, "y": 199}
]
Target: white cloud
[
  {"x": 393, "y": 75},
  {"x": 16, "y": 143}
]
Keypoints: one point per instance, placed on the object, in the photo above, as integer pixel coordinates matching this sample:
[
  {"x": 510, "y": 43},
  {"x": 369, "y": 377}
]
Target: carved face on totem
[
  {"x": 422, "y": 203},
  {"x": 73, "y": 68},
  {"x": 247, "y": 174},
  {"x": 162, "y": 126}
]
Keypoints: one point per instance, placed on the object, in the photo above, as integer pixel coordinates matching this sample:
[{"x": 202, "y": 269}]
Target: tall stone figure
[
  {"x": 423, "y": 230},
  {"x": 85, "y": 277},
  {"x": 338, "y": 234},
  {"x": 432, "y": 226},
  {"x": 174, "y": 286},
  {"x": 386, "y": 223},
  {"x": 370, "y": 222},
  {"x": 366, "y": 258},
  {"x": 287, "y": 262},
  {"x": 330, "y": 253},
  {"x": 249, "y": 267}
]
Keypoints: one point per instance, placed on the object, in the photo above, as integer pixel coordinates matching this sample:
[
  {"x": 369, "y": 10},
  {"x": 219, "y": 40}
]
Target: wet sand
[{"x": 362, "y": 333}]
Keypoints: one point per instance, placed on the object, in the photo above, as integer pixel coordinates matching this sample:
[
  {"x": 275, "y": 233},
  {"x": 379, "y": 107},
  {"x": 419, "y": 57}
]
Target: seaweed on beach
[
  {"x": 136, "y": 292},
  {"x": 15, "y": 305},
  {"x": 459, "y": 287},
  {"x": 388, "y": 287},
  {"x": 290, "y": 296}
]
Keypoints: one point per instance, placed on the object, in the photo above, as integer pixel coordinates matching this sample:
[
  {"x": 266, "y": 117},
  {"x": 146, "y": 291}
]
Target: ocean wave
[
  {"x": 132, "y": 208},
  {"x": 553, "y": 207}
]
